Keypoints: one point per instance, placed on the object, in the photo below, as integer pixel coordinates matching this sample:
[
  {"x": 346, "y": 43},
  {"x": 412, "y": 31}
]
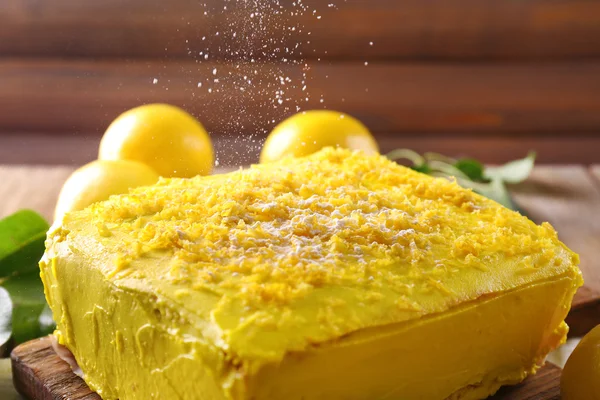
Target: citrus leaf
[
  {"x": 28, "y": 303},
  {"x": 26, "y": 323},
  {"x": 423, "y": 168},
  {"x": 430, "y": 156},
  {"x": 447, "y": 169},
  {"x": 470, "y": 167},
  {"x": 513, "y": 172},
  {"x": 407, "y": 154},
  {"x": 25, "y": 289},
  {"x": 499, "y": 193},
  {"x": 470, "y": 173},
  {"x": 495, "y": 190},
  {"x": 22, "y": 237}
]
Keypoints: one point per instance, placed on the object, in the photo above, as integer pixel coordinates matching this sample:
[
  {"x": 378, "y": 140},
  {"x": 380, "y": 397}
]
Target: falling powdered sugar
[{"x": 262, "y": 73}]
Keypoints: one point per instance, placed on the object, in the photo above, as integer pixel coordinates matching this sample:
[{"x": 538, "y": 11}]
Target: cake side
[
  {"x": 281, "y": 259},
  {"x": 465, "y": 353},
  {"x": 134, "y": 345},
  {"x": 129, "y": 345}
]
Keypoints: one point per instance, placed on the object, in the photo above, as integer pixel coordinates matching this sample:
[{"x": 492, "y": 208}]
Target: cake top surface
[{"x": 280, "y": 256}]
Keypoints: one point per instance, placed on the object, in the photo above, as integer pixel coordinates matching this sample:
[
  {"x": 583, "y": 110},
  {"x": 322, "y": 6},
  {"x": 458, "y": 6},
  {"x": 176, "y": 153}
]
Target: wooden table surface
[{"x": 567, "y": 196}]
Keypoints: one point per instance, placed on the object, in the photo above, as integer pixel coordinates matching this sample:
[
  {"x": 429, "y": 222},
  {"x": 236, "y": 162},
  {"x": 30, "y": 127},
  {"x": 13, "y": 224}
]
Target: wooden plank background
[
  {"x": 401, "y": 29},
  {"x": 487, "y": 78},
  {"x": 233, "y": 150},
  {"x": 400, "y": 98}
]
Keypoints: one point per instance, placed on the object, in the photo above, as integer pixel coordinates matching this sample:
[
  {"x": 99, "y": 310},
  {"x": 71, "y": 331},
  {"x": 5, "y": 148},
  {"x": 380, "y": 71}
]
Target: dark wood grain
[
  {"x": 85, "y": 96},
  {"x": 496, "y": 149},
  {"x": 48, "y": 149},
  {"x": 40, "y": 374},
  {"x": 569, "y": 198},
  {"x": 545, "y": 385},
  {"x": 400, "y": 29},
  {"x": 582, "y": 319}
]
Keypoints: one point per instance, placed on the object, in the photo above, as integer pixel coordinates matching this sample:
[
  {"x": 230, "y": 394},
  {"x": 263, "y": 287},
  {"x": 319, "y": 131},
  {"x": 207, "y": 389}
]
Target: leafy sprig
[
  {"x": 490, "y": 182},
  {"x": 24, "y": 313}
]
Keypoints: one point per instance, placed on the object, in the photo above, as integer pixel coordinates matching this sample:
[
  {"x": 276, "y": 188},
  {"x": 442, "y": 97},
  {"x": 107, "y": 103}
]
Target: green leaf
[
  {"x": 448, "y": 169},
  {"x": 407, "y": 154},
  {"x": 430, "y": 156},
  {"x": 22, "y": 237},
  {"x": 26, "y": 289},
  {"x": 513, "y": 172},
  {"x": 471, "y": 168},
  {"x": 423, "y": 168},
  {"x": 26, "y": 322},
  {"x": 495, "y": 190},
  {"x": 470, "y": 173}
]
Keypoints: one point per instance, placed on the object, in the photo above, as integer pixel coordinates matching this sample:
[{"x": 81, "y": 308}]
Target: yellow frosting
[{"x": 336, "y": 276}]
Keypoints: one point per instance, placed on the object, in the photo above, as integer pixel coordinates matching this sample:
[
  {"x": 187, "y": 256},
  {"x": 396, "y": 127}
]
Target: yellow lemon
[
  {"x": 308, "y": 132},
  {"x": 581, "y": 375},
  {"x": 164, "y": 137},
  {"x": 99, "y": 180}
]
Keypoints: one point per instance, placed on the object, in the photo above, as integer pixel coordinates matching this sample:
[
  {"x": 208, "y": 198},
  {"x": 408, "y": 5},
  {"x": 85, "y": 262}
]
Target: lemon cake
[{"x": 337, "y": 276}]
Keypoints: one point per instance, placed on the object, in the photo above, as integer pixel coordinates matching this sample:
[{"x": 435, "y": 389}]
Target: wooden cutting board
[{"x": 39, "y": 374}]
